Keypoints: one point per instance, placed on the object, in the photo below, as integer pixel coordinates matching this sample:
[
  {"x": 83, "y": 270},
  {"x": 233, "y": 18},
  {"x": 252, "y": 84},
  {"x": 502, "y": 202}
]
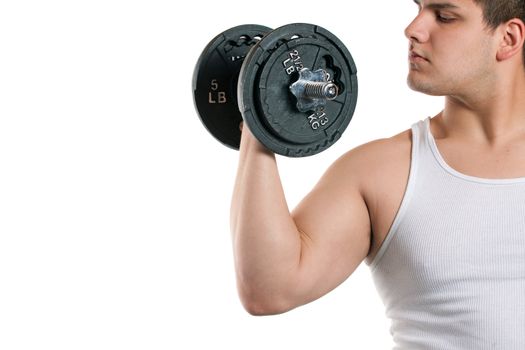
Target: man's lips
[{"x": 415, "y": 57}]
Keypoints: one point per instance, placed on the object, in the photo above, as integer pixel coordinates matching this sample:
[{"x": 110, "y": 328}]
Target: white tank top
[{"x": 451, "y": 271}]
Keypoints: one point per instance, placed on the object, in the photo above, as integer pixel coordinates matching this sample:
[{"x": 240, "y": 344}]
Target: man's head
[{"x": 457, "y": 45}]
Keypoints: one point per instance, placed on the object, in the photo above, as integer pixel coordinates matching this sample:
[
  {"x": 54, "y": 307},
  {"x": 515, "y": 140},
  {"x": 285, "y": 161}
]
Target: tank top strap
[{"x": 421, "y": 149}]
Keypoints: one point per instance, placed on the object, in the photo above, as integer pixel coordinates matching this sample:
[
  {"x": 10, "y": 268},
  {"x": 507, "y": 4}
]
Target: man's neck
[{"x": 492, "y": 117}]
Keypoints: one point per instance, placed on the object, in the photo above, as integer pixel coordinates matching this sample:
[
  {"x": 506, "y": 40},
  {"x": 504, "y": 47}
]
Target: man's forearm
[{"x": 266, "y": 242}]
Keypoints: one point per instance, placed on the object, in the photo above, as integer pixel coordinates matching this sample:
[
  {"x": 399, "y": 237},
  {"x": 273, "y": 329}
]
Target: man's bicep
[{"x": 334, "y": 224}]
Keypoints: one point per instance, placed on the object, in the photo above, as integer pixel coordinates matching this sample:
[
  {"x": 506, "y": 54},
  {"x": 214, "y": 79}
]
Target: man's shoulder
[
  {"x": 380, "y": 154},
  {"x": 378, "y": 167}
]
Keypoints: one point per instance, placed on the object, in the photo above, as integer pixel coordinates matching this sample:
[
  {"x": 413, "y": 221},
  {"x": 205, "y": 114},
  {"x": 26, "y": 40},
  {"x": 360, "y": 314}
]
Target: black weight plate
[
  {"x": 215, "y": 81},
  {"x": 269, "y": 108}
]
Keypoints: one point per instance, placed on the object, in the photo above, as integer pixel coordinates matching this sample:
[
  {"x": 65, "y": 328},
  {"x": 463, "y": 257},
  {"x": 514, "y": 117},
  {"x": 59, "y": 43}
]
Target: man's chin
[{"x": 422, "y": 87}]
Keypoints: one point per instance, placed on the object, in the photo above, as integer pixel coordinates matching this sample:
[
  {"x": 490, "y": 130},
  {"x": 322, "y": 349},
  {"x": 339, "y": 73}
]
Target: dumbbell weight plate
[
  {"x": 270, "y": 109},
  {"x": 215, "y": 81}
]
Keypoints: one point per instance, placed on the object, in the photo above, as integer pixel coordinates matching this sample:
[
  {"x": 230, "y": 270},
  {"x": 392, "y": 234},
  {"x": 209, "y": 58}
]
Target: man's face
[{"x": 451, "y": 50}]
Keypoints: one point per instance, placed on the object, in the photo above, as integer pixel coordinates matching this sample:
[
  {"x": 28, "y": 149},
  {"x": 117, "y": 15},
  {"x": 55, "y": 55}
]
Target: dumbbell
[{"x": 295, "y": 87}]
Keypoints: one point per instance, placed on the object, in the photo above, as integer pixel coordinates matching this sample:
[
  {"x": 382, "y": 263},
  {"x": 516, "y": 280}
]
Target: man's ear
[{"x": 513, "y": 35}]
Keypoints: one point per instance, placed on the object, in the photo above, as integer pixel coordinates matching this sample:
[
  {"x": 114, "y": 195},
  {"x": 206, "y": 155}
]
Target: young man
[{"x": 438, "y": 211}]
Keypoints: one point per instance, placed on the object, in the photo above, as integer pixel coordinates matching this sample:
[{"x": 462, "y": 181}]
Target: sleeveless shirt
[{"x": 451, "y": 271}]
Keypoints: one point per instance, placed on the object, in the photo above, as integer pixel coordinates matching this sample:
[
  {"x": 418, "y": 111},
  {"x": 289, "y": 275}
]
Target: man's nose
[{"x": 417, "y": 31}]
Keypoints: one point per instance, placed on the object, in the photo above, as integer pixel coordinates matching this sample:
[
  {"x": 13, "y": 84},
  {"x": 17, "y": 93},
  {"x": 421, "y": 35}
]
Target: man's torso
[{"x": 387, "y": 175}]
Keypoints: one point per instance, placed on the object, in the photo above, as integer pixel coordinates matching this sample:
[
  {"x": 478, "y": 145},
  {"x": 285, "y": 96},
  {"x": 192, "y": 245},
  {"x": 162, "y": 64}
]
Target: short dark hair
[{"x": 496, "y": 12}]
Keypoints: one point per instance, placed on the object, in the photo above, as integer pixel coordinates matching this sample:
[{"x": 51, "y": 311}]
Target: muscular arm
[{"x": 285, "y": 259}]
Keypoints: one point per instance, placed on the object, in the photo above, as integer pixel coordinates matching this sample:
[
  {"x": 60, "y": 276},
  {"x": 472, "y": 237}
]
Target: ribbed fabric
[{"x": 451, "y": 271}]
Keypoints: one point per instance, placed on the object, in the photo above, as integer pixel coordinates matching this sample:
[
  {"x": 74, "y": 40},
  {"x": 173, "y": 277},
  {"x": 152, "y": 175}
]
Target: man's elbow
[{"x": 258, "y": 304}]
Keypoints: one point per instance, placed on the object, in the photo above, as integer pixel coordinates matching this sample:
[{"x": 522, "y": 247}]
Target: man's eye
[{"x": 444, "y": 18}]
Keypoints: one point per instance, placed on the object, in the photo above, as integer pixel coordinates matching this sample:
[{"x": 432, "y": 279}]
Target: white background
[{"x": 114, "y": 199}]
